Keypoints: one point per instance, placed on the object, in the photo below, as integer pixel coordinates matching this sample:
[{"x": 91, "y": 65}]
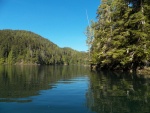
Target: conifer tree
[
  {"x": 101, "y": 28},
  {"x": 122, "y": 34}
]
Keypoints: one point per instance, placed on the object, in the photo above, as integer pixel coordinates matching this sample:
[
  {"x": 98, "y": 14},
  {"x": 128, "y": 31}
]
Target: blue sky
[{"x": 61, "y": 21}]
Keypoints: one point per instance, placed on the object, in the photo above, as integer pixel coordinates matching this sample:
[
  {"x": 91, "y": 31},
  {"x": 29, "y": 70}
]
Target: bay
[{"x": 71, "y": 89}]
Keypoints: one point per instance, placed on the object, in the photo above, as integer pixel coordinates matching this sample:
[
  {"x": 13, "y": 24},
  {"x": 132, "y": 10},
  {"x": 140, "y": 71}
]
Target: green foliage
[
  {"x": 24, "y": 47},
  {"x": 2, "y": 60},
  {"x": 121, "y": 34}
]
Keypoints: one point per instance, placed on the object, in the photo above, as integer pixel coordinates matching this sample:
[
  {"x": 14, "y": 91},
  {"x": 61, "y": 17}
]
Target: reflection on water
[
  {"x": 118, "y": 93},
  {"x": 43, "y": 89},
  {"x": 24, "y": 81},
  {"x": 71, "y": 89}
]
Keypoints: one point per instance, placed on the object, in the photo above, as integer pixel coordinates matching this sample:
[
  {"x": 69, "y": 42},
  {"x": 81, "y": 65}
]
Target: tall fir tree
[
  {"x": 121, "y": 39},
  {"x": 101, "y": 28}
]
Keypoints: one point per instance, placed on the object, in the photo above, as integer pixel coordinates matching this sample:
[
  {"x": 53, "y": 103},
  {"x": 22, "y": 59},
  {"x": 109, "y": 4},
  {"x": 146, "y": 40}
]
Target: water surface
[{"x": 71, "y": 89}]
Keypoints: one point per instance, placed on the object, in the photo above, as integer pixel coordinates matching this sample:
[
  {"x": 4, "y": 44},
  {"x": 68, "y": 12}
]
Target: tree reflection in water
[
  {"x": 118, "y": 93},
  {"x": 19, "y": 82}
]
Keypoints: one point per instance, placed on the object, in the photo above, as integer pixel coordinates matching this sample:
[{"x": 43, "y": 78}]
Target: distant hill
[{"x": 25, "y": 47}]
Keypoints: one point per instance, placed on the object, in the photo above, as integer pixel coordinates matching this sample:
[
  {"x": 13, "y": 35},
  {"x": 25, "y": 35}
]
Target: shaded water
[
  {"x": 71, "y": 89},
  {"x": 119, "y": 93}
]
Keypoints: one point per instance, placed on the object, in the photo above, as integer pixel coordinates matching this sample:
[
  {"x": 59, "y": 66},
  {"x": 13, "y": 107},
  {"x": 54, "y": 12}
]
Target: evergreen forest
[
  {"x": 120, "y": 38},
  {"x": 25, "y": 47}
]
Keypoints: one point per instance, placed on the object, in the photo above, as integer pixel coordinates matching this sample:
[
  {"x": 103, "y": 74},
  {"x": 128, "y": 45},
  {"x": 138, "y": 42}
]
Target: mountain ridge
[{"x": 26, "y": 47}]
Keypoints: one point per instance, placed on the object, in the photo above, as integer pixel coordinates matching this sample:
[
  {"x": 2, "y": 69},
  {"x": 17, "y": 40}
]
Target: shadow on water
[
  {"x": 118, "y": 93},
  {"x": 19, "y": 82}
]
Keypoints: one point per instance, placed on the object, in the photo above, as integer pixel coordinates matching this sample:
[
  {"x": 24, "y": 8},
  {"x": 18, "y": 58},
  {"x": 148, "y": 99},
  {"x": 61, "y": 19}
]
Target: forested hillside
[
  {"x": 120, "y": 38},
  {"x": 24, "y": 47}
]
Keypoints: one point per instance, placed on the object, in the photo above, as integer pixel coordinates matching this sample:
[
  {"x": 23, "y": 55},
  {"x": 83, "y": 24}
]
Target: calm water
[{"x": 71, "y": 89}]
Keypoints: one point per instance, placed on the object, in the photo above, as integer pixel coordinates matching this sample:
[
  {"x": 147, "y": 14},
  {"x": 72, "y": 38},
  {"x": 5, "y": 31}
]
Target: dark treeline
[
  {"x": 24, "y": 47},
  {"x": 120, "y": 39}
]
